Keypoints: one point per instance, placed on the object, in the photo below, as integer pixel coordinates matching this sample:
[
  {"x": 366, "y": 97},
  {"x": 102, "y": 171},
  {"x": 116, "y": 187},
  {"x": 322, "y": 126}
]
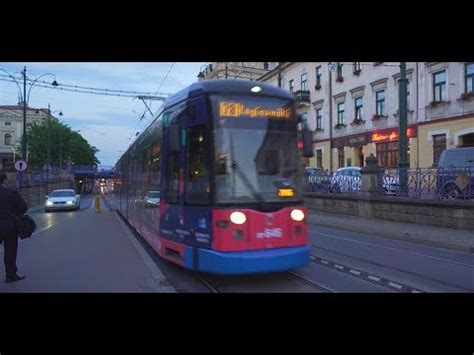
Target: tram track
[
  {"x": 294, "y": 276},
  {"x": 383, "y": 281}
]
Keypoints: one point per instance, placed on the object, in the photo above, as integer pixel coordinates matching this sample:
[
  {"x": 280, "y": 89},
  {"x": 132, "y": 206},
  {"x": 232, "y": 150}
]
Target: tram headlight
[
  {"x": 238, "y": 217},
  {"x": 297, "y": 215}
]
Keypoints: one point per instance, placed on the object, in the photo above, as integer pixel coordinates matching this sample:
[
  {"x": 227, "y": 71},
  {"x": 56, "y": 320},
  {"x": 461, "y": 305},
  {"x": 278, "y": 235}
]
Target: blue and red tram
[{"x": 222, "y": 159}]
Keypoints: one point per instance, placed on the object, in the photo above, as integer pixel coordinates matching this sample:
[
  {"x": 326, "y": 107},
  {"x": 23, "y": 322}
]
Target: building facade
[
  {"x": 11, "y": 129},
  {"x": 236, "y": 70},
  {"x": 352, "y": 107}
]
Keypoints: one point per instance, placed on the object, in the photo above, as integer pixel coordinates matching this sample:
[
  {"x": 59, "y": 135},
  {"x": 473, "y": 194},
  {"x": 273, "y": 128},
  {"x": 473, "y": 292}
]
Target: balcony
[{"x": 303, "y": 97}]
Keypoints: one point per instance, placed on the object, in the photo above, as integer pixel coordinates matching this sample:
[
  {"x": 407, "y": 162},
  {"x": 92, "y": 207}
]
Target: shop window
[
  {"x": 340, "y": 155},
  {"x": 439, "y": 144},
  {"x": 319, "y": 158}
]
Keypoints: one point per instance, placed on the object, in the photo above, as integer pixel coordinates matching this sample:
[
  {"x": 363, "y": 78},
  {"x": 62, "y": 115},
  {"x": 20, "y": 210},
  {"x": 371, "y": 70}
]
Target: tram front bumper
[{"x": 246, "y": 262}]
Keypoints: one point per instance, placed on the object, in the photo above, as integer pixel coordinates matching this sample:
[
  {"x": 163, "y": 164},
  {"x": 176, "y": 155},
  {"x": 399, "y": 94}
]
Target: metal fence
[
  {"x": 424, "y": 183},
  {"x": 430, "y": 183}
]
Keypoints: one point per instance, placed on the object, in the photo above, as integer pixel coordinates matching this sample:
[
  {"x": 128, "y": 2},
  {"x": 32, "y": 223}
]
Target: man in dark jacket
[{"x": 11, "y": 203}]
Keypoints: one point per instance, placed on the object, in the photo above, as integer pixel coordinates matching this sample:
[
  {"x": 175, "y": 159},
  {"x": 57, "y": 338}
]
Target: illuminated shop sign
[
  {"x": 392, "y": 135},
  {"x": 237, "y": 109}
]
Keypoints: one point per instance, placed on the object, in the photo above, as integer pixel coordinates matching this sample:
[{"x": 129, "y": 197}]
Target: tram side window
[
  {"x": 197, "y": 175},
  {"x": 172, "y": 178}
]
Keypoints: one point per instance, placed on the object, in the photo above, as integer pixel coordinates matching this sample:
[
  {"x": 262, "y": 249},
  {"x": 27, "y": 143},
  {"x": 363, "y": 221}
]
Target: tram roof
[{"x": 222, "y": 86}]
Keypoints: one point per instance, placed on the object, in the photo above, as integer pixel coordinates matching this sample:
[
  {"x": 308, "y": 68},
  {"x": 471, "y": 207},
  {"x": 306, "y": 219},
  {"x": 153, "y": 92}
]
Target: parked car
[
  {"x": 346, "y": 180},
  {"x": 316, "y": 179},
  {"x": 65, "y": 199},
  {"x": 455, "y": 173},
  {"x": 349, "y": 179}
]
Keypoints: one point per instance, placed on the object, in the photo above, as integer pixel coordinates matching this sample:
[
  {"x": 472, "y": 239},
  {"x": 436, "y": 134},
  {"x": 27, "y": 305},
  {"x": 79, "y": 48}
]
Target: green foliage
[{"x": 74, "y": 147}]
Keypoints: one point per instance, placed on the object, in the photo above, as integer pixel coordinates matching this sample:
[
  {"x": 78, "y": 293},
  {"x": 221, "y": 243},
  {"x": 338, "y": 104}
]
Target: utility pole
[
  {"x": 403, "y": 139},
  {"x": 24, "y": 148},
  {"x": 60, "y": 149},
  {"x": 279, "y": 74},
  {"x": 330, "y": 121},
  {"x": 48, "y": 159}
]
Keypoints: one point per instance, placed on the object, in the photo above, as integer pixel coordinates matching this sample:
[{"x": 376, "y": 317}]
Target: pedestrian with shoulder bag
[{"x": 12, "y": 210}]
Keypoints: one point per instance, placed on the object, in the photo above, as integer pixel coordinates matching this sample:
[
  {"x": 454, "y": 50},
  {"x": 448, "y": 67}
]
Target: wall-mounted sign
[
  {"x": 391, "y": 134},
  {"x": 351, "y": 141},
  {"x": 237, "y": 109}
]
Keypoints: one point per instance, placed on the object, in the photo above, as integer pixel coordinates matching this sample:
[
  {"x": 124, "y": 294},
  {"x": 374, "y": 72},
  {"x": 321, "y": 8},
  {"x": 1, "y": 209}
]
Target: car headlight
[
  {"x": 70, "y": 202},
  {"x": 49, "y": 203}
]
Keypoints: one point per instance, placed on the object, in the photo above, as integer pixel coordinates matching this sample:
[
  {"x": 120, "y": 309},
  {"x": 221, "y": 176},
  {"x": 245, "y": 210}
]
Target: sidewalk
[
  {"x": 456, "y": 239},
  {"x": 88, "y": 252}
]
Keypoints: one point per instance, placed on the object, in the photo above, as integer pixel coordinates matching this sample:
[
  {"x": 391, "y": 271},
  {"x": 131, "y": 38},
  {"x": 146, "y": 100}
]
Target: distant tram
[{"x": 224, "y": 160}]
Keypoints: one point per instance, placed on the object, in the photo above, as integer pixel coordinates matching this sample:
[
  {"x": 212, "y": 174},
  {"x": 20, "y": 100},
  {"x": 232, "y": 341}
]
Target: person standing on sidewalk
[{"x": 11, "y": 203}]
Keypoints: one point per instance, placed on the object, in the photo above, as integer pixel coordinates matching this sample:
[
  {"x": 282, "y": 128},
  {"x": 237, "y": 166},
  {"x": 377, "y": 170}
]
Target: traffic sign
[
  {"x": 332, "y": 67},
  {"x": 20, "y": 165}
]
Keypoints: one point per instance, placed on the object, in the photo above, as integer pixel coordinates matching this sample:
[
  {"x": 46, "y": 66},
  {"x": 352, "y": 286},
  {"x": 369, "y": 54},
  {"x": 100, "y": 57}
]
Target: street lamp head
[{"x": 55, "y": 83}]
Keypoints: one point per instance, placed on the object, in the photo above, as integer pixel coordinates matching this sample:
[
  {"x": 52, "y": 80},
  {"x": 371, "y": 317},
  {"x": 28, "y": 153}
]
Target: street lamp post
[
  {"x": 403, "y": 139},
  {"x": 48, "y": 157}
]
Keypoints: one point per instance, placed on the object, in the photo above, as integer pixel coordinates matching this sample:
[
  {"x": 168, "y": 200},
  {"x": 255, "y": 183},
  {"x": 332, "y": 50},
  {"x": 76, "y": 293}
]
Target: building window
[
  {"x": 304, "y": 82},
  {"x": 304, "y": 120},
  {"x": 439, "y": 86},
  {"x": 8, "y": 123},
  {"x": 380, "y": 103},
  {"x": 439, "y": 144},
  {"x": 339, "y": 70},
  {"x": 319, "y": 158},
  {"x": 318, "y": 75},
  {"x": 340, "y": 156},
  {"x": 291, "y": 83},
  {"x": 319, "y": 118},
  {"x": 358, "y": 108},
  {"x": 469, "y": 77},
  {"x": 387, "y": 154},
  {"x": 340, "y": 113},
  {"x": 8, "y": 139},
  {"x": 357, "y": 67}
]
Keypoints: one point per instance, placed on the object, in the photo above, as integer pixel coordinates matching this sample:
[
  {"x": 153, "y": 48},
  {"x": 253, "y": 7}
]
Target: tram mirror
[
  {"x": 174, "y": 138},
  {"x": 307, "y": 143}
]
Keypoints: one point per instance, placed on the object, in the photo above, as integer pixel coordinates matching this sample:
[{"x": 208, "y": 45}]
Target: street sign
[
  {"x": 332, "y": 67},
  {"x": 20, "y": 165}
]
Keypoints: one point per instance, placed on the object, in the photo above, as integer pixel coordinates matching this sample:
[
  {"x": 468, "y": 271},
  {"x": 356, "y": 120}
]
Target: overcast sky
[{"x": 106, "y": 122}]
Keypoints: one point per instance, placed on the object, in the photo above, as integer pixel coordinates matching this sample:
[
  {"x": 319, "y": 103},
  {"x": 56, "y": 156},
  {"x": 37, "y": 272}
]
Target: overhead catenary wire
[{"x": 94, "y": 89}]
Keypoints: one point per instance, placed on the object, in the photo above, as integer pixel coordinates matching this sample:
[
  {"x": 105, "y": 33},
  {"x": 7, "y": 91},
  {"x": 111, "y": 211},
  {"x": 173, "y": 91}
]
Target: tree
[{"x": 66, "y": 144}]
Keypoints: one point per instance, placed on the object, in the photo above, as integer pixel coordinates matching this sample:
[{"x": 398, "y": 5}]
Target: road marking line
[
  {"x": 415, "y": 291},
  {"x": 355, "y": 272},
  {"x": 374, "y": 278},
  {"x": 324, "y": 261},
  {"x": 395, "y": 285},
  {"x": 340, "y": 267}
]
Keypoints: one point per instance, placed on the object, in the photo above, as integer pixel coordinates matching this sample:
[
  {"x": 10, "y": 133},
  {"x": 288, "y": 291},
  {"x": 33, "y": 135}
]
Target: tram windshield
[{"x": 256, "y": 157}]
